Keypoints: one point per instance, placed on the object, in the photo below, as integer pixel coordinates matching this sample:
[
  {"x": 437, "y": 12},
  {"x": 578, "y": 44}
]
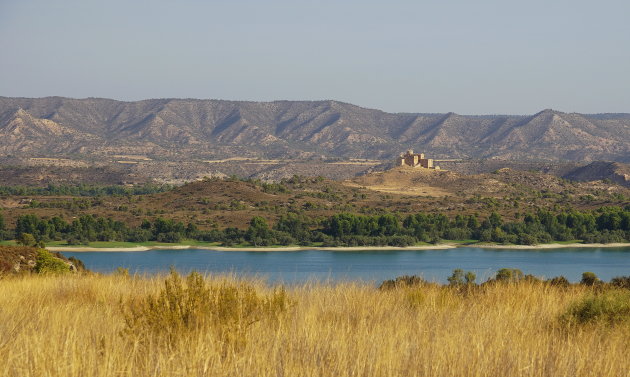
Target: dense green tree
[
  {"x": 191, "y": 230},
  {"x": 258, "y": 232},
  {"x": 27, "y": 224},
  {"x": 297, "y": 226},
  {"x": 388, "y": 225},
  {"x": 495, "y": 220}
]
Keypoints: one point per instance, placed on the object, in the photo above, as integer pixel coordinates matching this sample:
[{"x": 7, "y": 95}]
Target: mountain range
[{"x": 192, "y": 128}]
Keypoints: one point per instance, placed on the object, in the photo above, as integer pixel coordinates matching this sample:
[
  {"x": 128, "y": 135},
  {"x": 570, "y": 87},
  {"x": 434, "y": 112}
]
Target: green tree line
[{"x": 605, "y": 225}]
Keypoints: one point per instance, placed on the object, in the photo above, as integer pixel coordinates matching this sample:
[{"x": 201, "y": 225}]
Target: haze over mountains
[{"x": 190, "y": 128}]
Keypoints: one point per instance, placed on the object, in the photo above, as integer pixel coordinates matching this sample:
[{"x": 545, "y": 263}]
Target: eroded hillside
[{"x": 182, "y": 129}]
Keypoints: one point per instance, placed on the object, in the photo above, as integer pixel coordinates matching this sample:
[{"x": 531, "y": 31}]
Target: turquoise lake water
[{"x": 433, "y": 265}]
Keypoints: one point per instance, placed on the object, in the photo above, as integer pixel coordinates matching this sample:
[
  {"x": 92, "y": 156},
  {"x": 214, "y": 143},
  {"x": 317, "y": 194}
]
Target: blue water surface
[{"x": 374, "y": 266}]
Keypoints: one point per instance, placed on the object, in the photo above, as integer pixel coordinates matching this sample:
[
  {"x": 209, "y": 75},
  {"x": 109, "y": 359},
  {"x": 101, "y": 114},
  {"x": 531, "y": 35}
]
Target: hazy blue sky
[{"x": 470, "y": 57}]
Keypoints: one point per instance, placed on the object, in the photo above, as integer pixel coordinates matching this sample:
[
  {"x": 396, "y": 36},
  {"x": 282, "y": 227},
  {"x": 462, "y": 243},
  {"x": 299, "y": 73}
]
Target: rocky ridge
[{"x": 181, "y": 129}]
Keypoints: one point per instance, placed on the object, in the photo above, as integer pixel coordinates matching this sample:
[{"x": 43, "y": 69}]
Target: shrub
[
  {"x": 509, "y": 275},
  {"x": 532, "y": 279},
  {"x": 621, "y": 282},
  {"x": 402, "y": 241},
  {"x": 74, "y": 240},
  {"x": 138, "y": 235},
  {"x": 559, "y": 281},
  {"x": 458, "y": 234},
  {"x": 402, "y": 282},
  {"x": 460, "y": 278},
  {"x": 284, "y": 238},
  {"x": 611, "y": 307},
  {"x": 169, "y": 237},
  {"x": 470, "y": 277},
  {"x": 457, "y": 278},
  {"x": 46, "y": 263},
  {"x": 527, "y": 239},
  {"x": 26, "y": 239},
  {"x": 589, "y": 278},
  {"x": 183, "y": 307}
]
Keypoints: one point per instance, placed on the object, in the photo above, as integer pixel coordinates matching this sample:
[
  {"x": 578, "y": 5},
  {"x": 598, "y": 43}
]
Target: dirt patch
[
  {"x": 132, "y": 157},
  {"x": 406, "y": 181},
  {"x": 243, "y": 159},
  {"x": 46, "y": 161},
  {"x": 369, "y": 163},
  {"x": 416, "y": 190},
  {"x": 12, "y": 203}
]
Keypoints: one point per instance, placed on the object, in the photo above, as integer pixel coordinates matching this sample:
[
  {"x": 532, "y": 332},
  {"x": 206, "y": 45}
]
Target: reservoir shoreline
[{"x": 445, "y": 246}]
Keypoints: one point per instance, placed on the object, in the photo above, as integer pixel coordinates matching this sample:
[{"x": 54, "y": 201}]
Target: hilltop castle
[{"x": 415, "y": 160}]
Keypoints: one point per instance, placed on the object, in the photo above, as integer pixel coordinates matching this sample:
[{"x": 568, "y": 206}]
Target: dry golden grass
[{"x": 74, "y": 326}]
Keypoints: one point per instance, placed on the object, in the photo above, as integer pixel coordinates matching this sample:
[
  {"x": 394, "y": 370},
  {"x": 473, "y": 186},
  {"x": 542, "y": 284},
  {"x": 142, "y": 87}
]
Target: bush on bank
[{"x": 46, "y": 263}]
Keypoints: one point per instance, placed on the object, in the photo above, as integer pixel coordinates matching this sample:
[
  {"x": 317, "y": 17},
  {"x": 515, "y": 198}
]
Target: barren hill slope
[
  {"x": 613, "y": 171},
  {"x": 502, "y": 183},
  {"x": 190, "y": 128}
]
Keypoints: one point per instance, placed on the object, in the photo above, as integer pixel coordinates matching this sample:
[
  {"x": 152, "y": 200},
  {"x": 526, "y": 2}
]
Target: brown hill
[
  {"x": 601, "y": 170},
  {"x": 182, "y": 129},
  {"x": 230, "y": 202}
]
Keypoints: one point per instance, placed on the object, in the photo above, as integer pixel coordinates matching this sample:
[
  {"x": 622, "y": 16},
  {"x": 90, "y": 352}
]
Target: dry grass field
[{"x": 219, "y": 326}]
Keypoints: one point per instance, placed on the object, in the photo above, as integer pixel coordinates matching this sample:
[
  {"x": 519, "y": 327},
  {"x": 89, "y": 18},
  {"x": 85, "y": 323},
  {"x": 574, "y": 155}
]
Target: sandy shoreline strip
[
  {"x": 339, "y": 248},
  {"x": 553, "y": 246},
  {"x": 220, "y": 248}
]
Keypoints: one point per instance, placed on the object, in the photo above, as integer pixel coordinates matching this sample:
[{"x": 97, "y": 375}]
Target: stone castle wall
[{"x": 415, "y": 160}]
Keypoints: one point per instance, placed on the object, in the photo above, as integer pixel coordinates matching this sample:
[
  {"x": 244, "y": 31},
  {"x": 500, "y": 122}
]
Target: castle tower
[{"x": 414, "y": 160}]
